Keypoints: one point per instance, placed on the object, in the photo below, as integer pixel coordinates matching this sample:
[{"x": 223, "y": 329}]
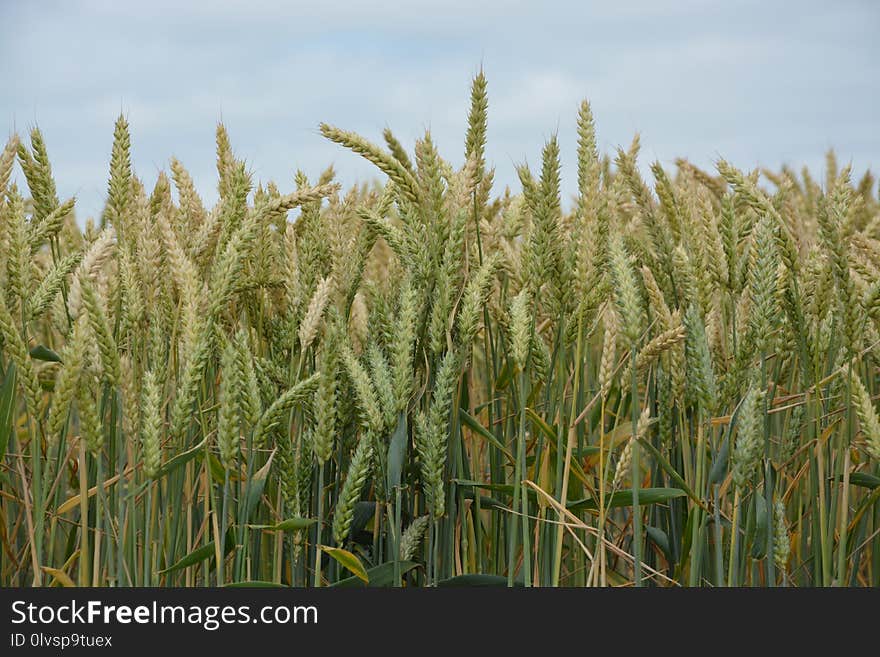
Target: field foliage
[{"x": 432, "y": 382}]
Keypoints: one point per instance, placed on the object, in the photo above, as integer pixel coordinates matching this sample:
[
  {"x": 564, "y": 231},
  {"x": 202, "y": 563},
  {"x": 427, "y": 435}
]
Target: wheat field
[{"x": 427, "y": 381}]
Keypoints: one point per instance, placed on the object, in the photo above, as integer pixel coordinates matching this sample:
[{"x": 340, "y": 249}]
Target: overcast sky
[{"x": 759, "y": 82}]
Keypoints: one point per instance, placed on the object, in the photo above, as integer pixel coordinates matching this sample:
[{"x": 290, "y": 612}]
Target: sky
[{"x": 757, "y": 82}]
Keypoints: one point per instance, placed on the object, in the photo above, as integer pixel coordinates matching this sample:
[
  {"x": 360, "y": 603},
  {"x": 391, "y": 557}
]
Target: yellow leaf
[
  {"x": 73, "y": 502},
  {"x": 348, "y": 560},
  {"x": 60, "y": 576}
]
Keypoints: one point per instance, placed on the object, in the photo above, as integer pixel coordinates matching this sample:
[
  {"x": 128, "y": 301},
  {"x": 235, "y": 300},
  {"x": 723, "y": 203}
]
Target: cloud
[{"x": 751, "y": 80}]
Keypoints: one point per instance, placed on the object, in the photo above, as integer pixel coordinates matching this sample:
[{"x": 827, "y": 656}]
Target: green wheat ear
[
  {"x": 119, "y": 186},
  {"x": 396, "y": 171},
  {"x": 520, "y": 328},
  {"x": 627, "y": 296},
  {"x": 151, "y": 436},
  {"x": 358, "y": 469},
  {"x": 475, "y": 142},
  {"x": 229, "y": 418},
  {"x": 749, "y": 444},
  {"x": 7, "y": 159},
  {"x": 867, "y": 417}
]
